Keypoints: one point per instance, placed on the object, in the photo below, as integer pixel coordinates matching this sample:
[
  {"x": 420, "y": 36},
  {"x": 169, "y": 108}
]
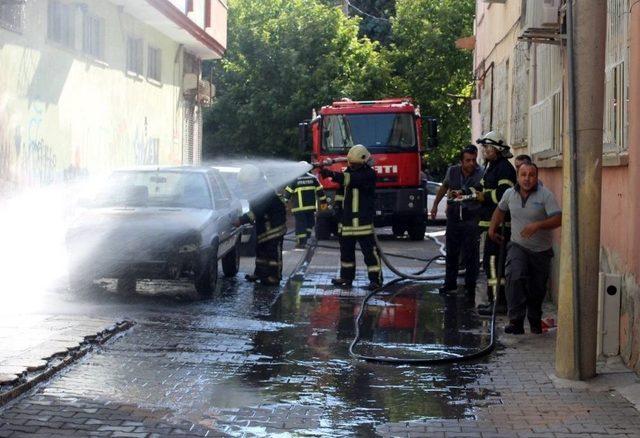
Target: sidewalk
[{"x": 525, "y": 399}]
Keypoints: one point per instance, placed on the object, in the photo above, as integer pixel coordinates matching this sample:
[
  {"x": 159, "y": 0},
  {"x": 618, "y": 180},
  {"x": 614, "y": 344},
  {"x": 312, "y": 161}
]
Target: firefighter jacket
[
  {"x": 356, "y": 196},
  {"x": 305, "y": 190},
  {"x": 269, "y": 216},
  {"x": 498, "y": 177}
]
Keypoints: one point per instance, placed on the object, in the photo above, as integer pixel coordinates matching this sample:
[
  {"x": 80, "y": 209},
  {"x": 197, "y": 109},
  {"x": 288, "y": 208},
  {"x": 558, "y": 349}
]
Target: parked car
[
  {"x": 432, "y": 190},
  {"x": 164, "y": 223},
  {"x": 248, "y": 237}
]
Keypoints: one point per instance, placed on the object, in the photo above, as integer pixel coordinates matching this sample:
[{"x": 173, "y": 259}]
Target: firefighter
[
  {"x": 307, "y": 195},
  {"x": 499, "y": 175},
  {"x": 357, "y": 188},
  {"x": 268, "y": 214}
]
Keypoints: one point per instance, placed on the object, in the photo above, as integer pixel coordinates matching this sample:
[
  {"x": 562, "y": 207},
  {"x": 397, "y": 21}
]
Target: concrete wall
[
  {"x": 620, "y": 236},
  {"x": 64, "y": 114}
]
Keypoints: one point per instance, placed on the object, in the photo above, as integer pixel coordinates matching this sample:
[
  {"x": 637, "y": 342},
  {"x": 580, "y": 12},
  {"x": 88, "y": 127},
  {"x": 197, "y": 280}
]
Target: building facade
[
  {"x": 521, "y": 80},
  {"x": 93, "y": 85}
]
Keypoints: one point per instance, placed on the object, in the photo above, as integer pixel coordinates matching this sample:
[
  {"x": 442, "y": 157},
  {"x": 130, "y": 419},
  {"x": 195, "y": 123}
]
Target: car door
[{"x": 224, "y": 211}]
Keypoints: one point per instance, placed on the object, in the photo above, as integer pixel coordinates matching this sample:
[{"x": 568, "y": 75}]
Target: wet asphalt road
[{"x": 255, "y": 360}]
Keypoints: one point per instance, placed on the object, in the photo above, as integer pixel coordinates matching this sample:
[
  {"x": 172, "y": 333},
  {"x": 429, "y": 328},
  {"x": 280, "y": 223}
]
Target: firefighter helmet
[
  {"x": 249, "y": 174},
  {"x": 358, "y": 154},
  {"x": 495, "y": 139}
]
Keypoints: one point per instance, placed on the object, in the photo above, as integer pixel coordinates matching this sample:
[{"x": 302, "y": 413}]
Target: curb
[{"x": 56, "y": 363}]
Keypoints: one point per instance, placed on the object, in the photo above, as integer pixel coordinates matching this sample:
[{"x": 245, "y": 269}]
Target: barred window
[
  {"x": 134, "y": 55},
  {"x": 93, "y": 36},
  {"x": 154, "y": 64},
  {"x": 12, "y": 15},
  {"x": 61, "y": 23},
  {"x": 616, "y": 122}
]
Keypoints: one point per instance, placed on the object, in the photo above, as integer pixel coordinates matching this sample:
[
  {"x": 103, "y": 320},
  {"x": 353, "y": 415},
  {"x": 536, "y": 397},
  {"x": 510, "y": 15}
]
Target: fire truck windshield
[{"x": 384, "y": 132}]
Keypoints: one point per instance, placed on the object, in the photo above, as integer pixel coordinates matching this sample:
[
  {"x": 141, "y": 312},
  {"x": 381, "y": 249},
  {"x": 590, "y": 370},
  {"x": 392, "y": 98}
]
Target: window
[
  {"x": 154, "y": 64},
  {"x": 386, "y": 132},
  {"x": 93, "y": 36},
  {"x": 61, "y": 23},
  {"x": 545, "y": 115},
  {"x": 616, "y": 122},
  {"x": 12, "y": 15},
  {"x": 520, "y": 96},
  {"x": 134, "y": 55}
]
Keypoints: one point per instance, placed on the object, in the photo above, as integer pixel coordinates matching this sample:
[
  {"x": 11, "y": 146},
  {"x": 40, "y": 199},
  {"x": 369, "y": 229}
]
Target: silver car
[{"x": 165, "y": 223}]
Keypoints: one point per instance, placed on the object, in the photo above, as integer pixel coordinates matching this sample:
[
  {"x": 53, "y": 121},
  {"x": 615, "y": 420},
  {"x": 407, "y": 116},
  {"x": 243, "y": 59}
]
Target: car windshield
[
  {"x": 382, "y": 132},
  {"x": 155, "y": 189}
]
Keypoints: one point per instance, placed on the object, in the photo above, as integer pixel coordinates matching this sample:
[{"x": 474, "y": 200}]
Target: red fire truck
[{"x": 391, "y": 130}]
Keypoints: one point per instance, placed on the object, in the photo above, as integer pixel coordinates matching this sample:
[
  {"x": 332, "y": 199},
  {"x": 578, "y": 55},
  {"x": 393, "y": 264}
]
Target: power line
[{"x": 349, "y": 4}]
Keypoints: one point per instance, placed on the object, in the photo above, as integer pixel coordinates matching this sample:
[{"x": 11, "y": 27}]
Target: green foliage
[
  {"x": 284, "y": 58},
  {"x": 430, "y": 68}
]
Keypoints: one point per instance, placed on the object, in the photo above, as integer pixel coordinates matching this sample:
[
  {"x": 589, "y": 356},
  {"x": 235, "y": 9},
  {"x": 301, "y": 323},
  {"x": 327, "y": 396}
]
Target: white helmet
[
  {"x": 249, "y": 174},
  {"x": 495, "y": 139},
  {"x": 358, "y": 154}
]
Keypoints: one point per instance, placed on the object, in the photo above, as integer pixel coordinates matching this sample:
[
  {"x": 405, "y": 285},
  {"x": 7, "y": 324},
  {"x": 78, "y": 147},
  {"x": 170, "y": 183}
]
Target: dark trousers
[
  {"x": 305, "y": 221},
  {"x": 491, "y": 265},
  {"x": 269, "y": 259},
  {"x": 370, "y": 253},
  {"x": 527, "y": 276},
  {"x": 465, "y": 236}
]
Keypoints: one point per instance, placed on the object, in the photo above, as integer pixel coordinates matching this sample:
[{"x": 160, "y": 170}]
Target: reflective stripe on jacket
[
  {"x": 498, "y": 177},
  {"x": 306, "y": 192},
  {"x": 358, "y": 192}
]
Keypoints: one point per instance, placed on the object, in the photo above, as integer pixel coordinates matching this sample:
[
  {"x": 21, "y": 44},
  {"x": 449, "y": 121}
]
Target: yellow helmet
[{"x": 358, "y": 154}]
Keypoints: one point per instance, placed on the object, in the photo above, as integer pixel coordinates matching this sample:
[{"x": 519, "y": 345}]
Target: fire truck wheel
[
  {"x": 417, "y": 230},
  {"x": 398, "y": 229}
]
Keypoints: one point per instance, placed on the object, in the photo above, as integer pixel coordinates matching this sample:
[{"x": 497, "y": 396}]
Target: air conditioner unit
[
  {"x": 190, "y": 83},
  {"x": 550, "y": 10},
  {"x": 609, "y": 298}
]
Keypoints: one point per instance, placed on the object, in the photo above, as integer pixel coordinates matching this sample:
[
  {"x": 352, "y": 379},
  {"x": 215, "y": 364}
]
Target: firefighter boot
[
  {"x": 515, "y": 327},
  {"x": 535, "y": 326},
  {"x": 373, "y": 285},
  {"x": 341, "y": 282},
  {"x": 251, "y": 278}
]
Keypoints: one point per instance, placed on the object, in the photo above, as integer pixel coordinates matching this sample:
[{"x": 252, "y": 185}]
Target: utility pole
[{"x": 581, "y": 198}]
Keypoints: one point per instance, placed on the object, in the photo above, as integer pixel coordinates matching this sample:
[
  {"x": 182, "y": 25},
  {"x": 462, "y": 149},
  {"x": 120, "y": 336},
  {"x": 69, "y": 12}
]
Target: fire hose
[{"x": 417, "y": 276}]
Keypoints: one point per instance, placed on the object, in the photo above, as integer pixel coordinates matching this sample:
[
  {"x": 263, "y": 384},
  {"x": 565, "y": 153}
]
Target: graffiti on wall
[{"x": 146, "y": 149}]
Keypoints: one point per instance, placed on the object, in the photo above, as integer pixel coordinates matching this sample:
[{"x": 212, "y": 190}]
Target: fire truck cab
[{"x": 391, "y": 130}]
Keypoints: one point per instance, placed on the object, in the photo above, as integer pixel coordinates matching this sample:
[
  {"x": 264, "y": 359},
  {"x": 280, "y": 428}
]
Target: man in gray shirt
[{"x": 534, "y": 214}]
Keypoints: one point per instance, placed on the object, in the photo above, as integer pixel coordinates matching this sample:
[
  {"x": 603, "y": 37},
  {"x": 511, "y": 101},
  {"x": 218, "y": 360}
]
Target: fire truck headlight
[
  {"x": 411, "y": 197},
  {"x": 410, "y": 204}
]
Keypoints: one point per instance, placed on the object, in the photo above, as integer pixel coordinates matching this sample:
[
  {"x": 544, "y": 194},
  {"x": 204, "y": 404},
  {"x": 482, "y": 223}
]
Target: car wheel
[
  {"x": 206, "y": 277},
  {"x": 126, "y": 285},
  {"x": 231, "y": 261},
  {"x": 417, "y": 230}
]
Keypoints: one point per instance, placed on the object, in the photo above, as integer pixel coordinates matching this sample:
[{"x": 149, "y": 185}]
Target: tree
[
  {"x": 429, "y": 67},
  {"x": 375, "y": 14},
  {"x": 285, "y": 57}
]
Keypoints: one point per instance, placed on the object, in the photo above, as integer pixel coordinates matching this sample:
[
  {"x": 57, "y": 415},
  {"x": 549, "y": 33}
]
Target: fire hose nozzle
[{"x": 328, "y": 162}]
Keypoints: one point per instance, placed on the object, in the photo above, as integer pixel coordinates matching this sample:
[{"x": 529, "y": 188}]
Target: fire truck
[{"x": 391, "y": 130}]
